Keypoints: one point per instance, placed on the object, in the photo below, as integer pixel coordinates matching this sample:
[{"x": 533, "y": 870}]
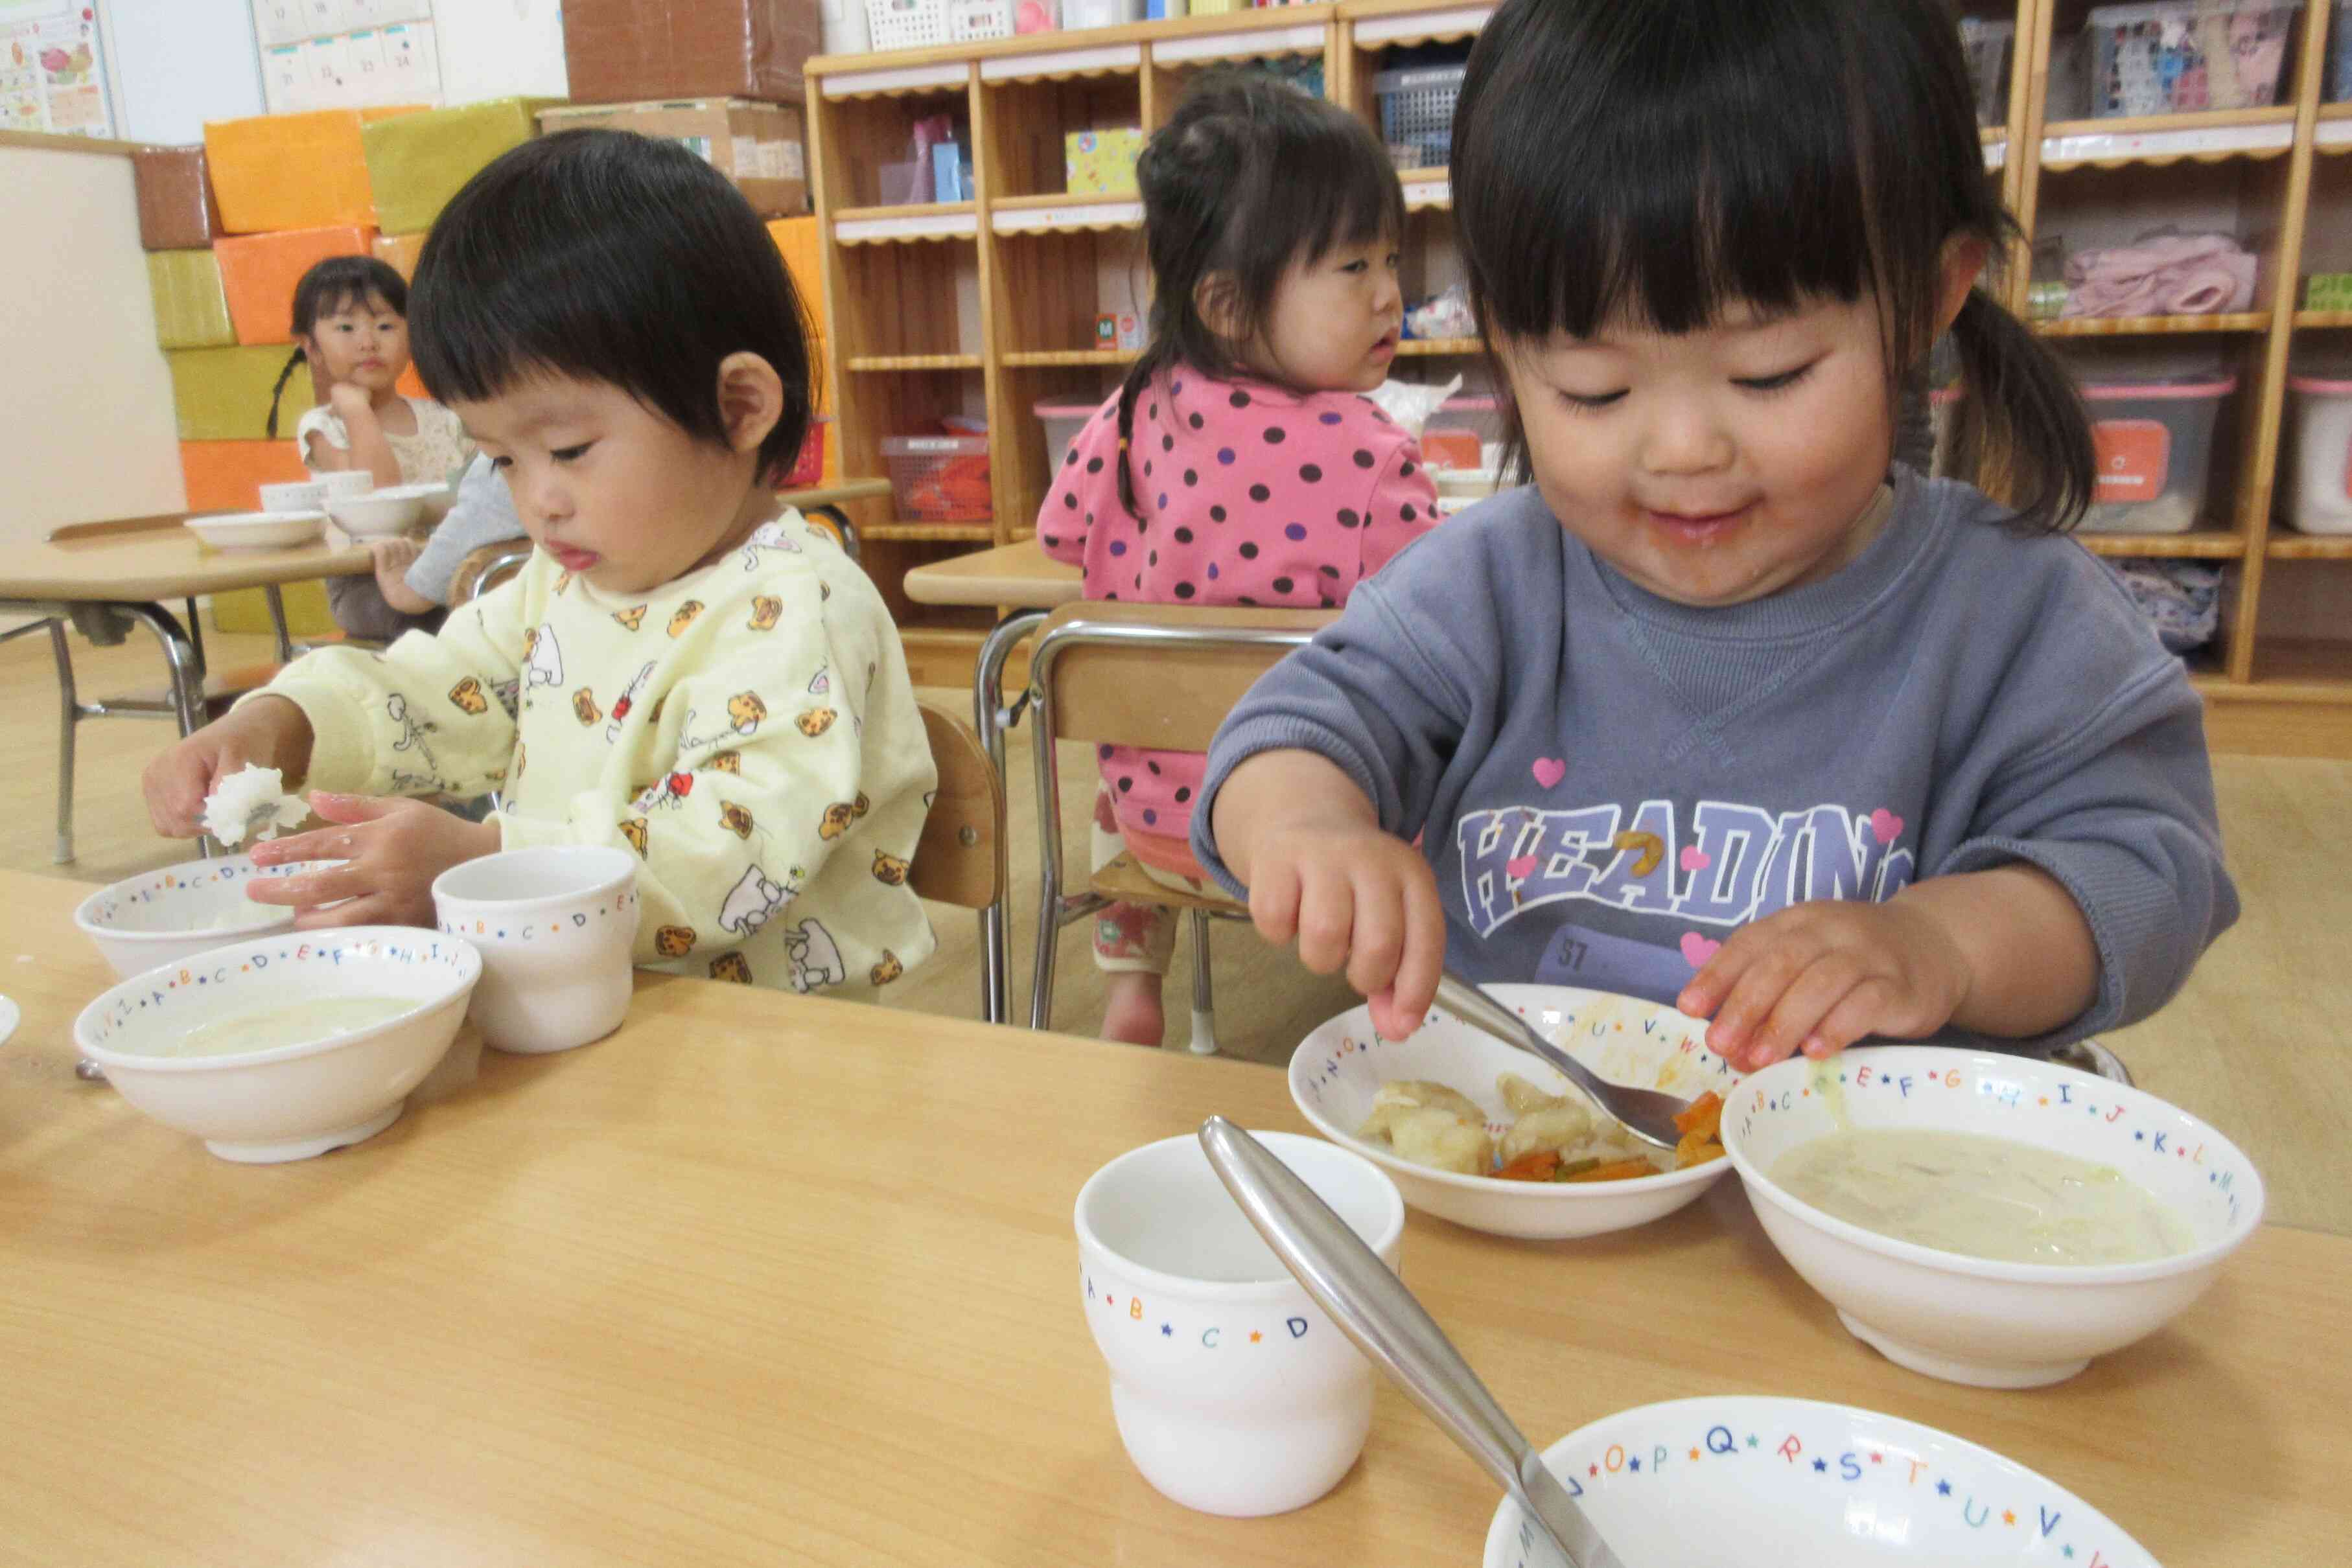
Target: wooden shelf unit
[{"x": 996, "y": 316}]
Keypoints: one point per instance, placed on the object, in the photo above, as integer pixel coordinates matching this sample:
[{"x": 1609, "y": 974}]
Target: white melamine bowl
[
  {"x": 162, "y": 916},
  {"x": 380, "y": 514},
  {"x": 257, "y": 530}
]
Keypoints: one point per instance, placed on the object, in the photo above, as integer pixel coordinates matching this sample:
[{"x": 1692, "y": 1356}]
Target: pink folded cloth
[{"x": 2161, "y": 274}]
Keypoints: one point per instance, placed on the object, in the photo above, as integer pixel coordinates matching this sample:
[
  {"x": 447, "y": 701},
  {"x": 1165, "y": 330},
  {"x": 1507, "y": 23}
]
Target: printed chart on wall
[{"x": 51, "y": 76}]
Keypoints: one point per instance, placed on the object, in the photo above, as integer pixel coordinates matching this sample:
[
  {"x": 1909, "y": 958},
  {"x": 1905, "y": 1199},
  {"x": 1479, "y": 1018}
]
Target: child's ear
[
  {"x": 751, "y": 399},
  {"x": 1217, "y": 299}
]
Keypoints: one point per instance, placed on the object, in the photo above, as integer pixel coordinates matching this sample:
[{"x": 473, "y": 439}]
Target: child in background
[
  {"x": 1253, "y": 471},
  {"x": 1727, "y": 711},
  {"x": 682, "y": 668},
  {"x": 351, "y": 326},
  {"x": 415, "y": 578}
]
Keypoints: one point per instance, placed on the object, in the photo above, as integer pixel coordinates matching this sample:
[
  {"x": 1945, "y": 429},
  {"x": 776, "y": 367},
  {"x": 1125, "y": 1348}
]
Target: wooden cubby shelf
[{"x": 1002, "y": 316}]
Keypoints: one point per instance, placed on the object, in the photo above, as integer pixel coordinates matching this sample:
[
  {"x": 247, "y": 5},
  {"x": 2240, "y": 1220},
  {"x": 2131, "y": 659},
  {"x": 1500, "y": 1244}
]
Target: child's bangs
[{"x": 1343, "y": 191}]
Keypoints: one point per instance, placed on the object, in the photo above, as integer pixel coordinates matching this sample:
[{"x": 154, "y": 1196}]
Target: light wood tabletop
[
  {"x": 147, "y": 565},
  {"x": 1021, "y": 575},
  {"x": 767, "y": 1279}
]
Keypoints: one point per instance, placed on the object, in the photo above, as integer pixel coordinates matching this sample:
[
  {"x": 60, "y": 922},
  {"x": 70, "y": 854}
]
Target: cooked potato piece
[
  {"x": 1559, "y": 1128},
  {"x": 1431, "y": 1136}
]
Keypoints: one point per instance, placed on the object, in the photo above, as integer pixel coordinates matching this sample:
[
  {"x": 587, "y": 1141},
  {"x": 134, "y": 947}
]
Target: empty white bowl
[
  {"x": 162, "y": 916},
  {"x": 1974, "y": 1320},
  {"x": 1757, "y": 1480},
  {"x": 288, "y": 1102},
  {"x": 295, "y": 496},
  {"x": 257, "y": 530},
  {"x": 380, "y": 514},
  {"x": 1336, "y": 1070}
]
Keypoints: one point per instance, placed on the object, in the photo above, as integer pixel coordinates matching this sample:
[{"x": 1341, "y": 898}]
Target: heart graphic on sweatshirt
[
  {"x": 1697, "y": 949},
  {"x": 1885, "y": 826},
  {"x": 1551, "y": 770},
  {"x": 1520, "y": 869},
  {"x": 1696, "y": 859}
]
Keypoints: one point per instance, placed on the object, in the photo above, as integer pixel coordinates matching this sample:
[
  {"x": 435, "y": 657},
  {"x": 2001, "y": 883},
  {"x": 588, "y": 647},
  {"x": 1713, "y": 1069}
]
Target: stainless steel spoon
[
  {"x": 1373, "y": 1307},
  {"x": 1647, "y": 1114}
]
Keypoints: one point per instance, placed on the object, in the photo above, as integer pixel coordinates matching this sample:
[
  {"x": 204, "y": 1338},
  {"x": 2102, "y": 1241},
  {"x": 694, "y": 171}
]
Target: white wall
[
  {"x": 174, "y": 64},
  {"x": 499, "y": 48},
  {"x": 86, "y": 424}
]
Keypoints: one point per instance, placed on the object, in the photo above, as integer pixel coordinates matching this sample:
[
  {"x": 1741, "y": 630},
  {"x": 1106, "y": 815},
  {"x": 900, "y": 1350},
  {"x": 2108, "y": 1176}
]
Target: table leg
[
  {"x": 277, "y": 598},
  {"x": 992, "y": 719}
]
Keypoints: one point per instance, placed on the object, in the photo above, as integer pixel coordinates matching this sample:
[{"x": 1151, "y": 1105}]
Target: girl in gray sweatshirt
[{"x": 1725, "y": 708}]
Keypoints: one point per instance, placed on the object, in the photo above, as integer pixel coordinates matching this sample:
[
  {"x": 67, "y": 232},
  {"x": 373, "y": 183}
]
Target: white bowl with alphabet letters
[
  {"x": 557, "y": 926},
  {"x": 1338, "y": 1070},
  {"x": 1754, "y": 1480}
]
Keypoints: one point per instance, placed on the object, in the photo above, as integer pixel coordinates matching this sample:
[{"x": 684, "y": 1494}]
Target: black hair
[
  {"x": 605, "y": 255},
  {"x": 1659, "y": 159},
  {"x": 1249, "y": 177},
  {"x": 329, "y": 288}
]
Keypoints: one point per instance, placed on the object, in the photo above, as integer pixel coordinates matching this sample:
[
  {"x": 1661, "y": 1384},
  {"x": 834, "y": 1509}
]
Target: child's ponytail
[
  {"x": 278, "y": 391},
  {"x": 2020, "y": 428}
]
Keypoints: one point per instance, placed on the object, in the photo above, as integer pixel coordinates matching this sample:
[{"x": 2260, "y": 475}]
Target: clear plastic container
[
  {"x": 1464, "y": 432},
  {"x": 2154, "y": 445},
  {"x": 1987, "y": 45},
  {"x": 1101, "y": 13},
  {"x": 1417, "y": 113},
  {"x": 908, "y": 24},
  {"x": 2176, "y": 56},
  {"x": 2322, "y": 501},
  {"x": 1063, "y": 422},
  {"x": 939, "y": 478}
]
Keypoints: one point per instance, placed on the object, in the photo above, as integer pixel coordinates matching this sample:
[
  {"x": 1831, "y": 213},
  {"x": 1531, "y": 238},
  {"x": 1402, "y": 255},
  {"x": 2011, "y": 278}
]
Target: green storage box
[
  {"x": 191, "y": 308},
  {"x": 223, "y": 394},
  {"x": 417, "y": 162}
]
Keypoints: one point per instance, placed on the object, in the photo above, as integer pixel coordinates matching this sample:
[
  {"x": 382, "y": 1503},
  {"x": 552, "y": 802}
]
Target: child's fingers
[
  {"x": 1327, "y": 918},
  {"x": 1769, "y": 971},
  {"x": 329, "y": 884},
  {"x": 1703, "y": 995},
  {"x": 1423, "y": 959},
  {"x": 1803, "y": 1007},
  {"x": 319, "y": 844},
  {"x": 1860, "y": 1013},
  {"x": 1376, "y": 935},
  {"x": 353, "y": 807},
  {"x": 1274, "y": 902},
  {"x": 368, "y": 911}
]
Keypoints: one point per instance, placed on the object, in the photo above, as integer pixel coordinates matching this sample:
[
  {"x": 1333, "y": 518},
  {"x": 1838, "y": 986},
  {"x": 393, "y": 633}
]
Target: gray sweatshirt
[
  {"x": 1606, "y": 784},
  {"x": 484, "y": 514}
]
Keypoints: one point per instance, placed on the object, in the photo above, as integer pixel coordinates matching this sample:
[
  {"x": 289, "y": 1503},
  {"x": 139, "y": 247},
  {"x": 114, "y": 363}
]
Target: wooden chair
[
  {"x": 960, "y": 859},
  {"x": 1153, "y": 675}
]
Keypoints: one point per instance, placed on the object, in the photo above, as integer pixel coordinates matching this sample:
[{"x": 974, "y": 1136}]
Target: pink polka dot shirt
[{"x": 1249, "y": 495}]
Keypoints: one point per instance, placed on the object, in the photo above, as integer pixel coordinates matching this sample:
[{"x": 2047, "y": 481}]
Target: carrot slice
[
  {"x": 1704, "y": 1116},
  {"x": 1536, "y": 1165},
  {"x": 1617, "y": 1170}
]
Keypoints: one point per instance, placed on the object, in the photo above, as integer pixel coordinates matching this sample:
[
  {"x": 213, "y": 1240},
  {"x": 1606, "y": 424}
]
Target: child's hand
[
  {"x": 1355, "y": 896},
  {"x": 349, "y": 401},
  {"x": 268, "y": 732},
  {"x": 1820, "y": 975},
  {"x": 392, "y": 557},
  {"x": 391, "y": 850}
]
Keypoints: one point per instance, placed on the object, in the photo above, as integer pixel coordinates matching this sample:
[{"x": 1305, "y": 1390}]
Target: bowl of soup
[
  {"x": 1752, "y": 1481},
  {"x": 1986, "y": 1218},
  {"x": 160, "y": 917},
  {"x": 1346, "y": 1075},
  {"x": 285, "y": 1046}
]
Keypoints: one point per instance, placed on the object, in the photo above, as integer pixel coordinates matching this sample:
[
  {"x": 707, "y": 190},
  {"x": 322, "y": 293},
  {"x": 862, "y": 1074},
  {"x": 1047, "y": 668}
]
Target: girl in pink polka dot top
[{"x": 1255, "y": 473}]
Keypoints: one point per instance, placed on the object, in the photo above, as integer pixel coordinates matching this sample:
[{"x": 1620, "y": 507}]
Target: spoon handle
[{"x": 1388, "y": 1324}]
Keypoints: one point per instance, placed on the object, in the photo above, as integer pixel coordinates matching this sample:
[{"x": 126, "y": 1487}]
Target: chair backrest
[
  {"x": 486, "y": 566},
  {"x": 960, "y": 859},
  {"x": 1161, "y": 676}
]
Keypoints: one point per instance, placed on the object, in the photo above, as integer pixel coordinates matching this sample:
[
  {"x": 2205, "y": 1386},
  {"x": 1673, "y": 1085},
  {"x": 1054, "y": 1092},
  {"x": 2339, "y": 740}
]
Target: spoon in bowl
[{"x": 1647, "y": 1114}]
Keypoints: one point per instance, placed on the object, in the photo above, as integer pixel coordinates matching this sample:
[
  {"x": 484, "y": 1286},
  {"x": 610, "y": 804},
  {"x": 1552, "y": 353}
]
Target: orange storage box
[
  {"x": 260, "y": 272},
  {"x": 293, "y": 171},
  {"x": 399, "y": 252},
  {"x": 227, "y": 475}
]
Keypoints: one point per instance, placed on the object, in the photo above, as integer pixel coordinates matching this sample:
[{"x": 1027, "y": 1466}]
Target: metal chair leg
[
  {"x": 276, "y": 600},
  {"x": 1204, "y": 1007},
  {"x": 990, "y": 720},
  {"x": 68, "y": 722}
]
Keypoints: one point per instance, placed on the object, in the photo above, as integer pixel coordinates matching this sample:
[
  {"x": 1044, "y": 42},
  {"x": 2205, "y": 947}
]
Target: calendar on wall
[{"x": 52, "y": 70}]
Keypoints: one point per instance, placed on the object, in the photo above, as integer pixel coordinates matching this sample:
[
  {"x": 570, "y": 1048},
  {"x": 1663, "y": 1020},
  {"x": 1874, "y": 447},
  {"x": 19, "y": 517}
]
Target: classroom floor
[{"x": 2267, "y": 1061}]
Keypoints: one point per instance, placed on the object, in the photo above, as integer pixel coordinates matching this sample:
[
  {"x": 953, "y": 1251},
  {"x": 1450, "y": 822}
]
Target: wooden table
[
  {"x": 1025, "y": 582},
  {"x": 768, "y": 1280}
]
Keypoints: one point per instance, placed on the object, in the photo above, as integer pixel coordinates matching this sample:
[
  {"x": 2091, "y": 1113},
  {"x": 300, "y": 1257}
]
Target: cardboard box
[
  {"x": 176, "y": 209},
  {"x": 191, "y": 311},
  {"x": 293, "y": 171},
  {"x": 399, "y": 252},
  {"x": 625, "y": 51},
  {"x": 756, "y": 145},
  {"x": 260, "y": 272},
  {"x": 417, "y": 162},
  {"x": 1101, "y": 163},
  {"x": 223, "y": 394}
]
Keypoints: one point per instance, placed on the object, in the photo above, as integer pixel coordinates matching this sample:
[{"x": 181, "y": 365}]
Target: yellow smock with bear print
[{"x": 749, "y": 730}]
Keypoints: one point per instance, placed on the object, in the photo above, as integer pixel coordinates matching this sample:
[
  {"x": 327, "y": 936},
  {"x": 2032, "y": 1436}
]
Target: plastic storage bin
[
  {"x": 2154, "y": 445},
  {"x": 1417, "y": 113},
  {"x": 1101, "y": 13},
  {"x": 939, "y": 478},
  {"x": 2177, "y": 55},
  {"x": 908, "y": 24},
  {"x": 1063, "y": 422},
  {"x": 2340, "y": 54},
  {"x": 970, "y": 21},
  {"x": 2322, "y": 502},
  {"x": 1988, "y": 45},
  {"x": 808, "y": 467},
  {"x": 1464, "y": 432}
]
